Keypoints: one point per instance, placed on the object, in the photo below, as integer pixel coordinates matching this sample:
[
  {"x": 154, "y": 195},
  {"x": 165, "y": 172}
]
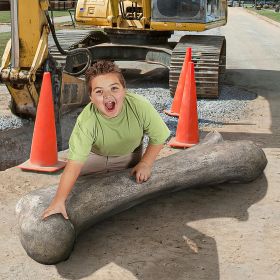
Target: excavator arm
[{"x": 25, "y": 54}]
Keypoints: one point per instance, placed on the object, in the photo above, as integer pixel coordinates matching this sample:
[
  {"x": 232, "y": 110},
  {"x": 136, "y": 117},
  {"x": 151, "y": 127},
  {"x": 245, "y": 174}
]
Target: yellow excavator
[{"x": 130, "y": 30}]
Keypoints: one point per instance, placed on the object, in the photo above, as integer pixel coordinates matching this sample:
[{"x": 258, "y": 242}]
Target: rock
[{"x": 97, "y": 197}]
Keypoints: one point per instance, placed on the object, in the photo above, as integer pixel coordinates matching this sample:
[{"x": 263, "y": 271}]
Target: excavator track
[
  {"x": 67, "y": 39},
  {"x": 72, "y": 39},
  {"x": 209, "y": 57}
]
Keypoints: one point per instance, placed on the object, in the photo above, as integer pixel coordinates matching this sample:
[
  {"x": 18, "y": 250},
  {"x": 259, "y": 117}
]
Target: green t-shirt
[{"x": 116, "y": 136}]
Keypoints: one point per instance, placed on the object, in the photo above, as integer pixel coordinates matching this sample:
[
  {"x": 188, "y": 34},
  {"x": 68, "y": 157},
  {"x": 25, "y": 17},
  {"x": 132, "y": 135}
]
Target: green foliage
[
  {"x": 5, "y": 16},
  {"x": 4, "y": 38},
  {"x": 60, "y": 13},
  {"x": 270, "y": 14}
]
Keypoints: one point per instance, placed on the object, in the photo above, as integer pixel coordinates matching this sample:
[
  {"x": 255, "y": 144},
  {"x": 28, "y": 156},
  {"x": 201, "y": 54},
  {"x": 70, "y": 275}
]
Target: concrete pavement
[{"x": 5, "y": 28}]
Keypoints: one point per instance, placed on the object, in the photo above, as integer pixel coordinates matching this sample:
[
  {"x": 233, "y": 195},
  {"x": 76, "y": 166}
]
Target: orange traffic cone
[
  {"x": 187, "y": 133},
  {"x": 43, "y": 155},
  {"x": 176, "y": 104}
]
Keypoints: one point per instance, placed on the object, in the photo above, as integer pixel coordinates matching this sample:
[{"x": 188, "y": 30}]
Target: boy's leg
[
  {"x": 126, "y": 161},
  {"x": 101, "y": 164},
  {"x": 94, "y": 164}
]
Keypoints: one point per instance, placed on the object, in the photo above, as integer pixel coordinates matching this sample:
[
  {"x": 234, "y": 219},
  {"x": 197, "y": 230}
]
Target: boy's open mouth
[{"x": 110, "y": 105}]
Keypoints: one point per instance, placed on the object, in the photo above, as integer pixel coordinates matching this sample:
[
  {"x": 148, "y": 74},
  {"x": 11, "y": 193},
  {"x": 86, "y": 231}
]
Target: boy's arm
[
  {"x": 143, "y": 169},
  {"x": 66, "y": 184},
  {"x": 151, "y": 153}
]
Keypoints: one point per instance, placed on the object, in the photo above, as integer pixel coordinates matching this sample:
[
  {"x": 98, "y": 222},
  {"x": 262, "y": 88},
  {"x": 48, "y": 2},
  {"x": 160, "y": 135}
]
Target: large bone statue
[{"x": 96, "y": 197}]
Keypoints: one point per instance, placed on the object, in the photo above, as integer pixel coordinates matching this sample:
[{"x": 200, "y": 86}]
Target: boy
[{"x": 108, "y": 133}]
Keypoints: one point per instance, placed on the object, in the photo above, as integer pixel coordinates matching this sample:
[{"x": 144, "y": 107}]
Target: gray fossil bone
[{"x": 96, "y": 197}]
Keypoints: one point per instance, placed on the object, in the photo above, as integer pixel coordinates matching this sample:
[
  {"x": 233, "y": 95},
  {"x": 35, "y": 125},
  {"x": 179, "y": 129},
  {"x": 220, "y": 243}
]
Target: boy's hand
[
  {"x": 142, "y": 172},
  {"x": 55, "y": 207}
]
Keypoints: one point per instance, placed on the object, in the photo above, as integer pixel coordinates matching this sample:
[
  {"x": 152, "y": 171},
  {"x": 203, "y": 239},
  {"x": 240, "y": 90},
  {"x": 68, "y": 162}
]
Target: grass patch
[
  {"x": 267, "y": 13},
  {"x": 5, "y": 16},
  {"x": 60, "y": 13},
  {"x": 247, "y": 5},
  {"x": 4, "y": 38}
]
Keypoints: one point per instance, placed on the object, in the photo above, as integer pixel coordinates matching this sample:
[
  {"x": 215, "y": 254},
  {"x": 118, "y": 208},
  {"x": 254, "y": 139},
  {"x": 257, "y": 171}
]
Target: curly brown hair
[{"x": 102, "y": 67}]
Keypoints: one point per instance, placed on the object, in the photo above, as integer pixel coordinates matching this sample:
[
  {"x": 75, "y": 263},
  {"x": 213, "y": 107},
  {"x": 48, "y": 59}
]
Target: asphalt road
[{"x": 251, "y": 249}]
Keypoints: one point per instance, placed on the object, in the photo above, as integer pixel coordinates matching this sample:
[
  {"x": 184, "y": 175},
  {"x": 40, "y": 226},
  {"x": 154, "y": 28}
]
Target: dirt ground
[{"x": 227, "y": 231}]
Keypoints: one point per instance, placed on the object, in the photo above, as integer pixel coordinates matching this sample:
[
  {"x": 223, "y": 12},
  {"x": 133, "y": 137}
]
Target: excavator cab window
[
  {"x": 213, "y": 11},
  {"x": 178, "y": 10}
]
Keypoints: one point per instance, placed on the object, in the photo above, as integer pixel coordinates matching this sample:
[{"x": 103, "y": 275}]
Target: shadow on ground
[
  {"x": 264, "y": 83},
  {"x": 154, "y": 240}
]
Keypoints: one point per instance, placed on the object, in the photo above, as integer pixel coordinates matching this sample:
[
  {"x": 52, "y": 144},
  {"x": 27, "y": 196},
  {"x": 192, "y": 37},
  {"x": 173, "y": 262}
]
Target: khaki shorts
[{"x": 102, "y": 164}]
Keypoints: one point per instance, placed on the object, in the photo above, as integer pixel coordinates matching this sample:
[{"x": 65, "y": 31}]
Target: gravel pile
[
  {"x": 11, "y": 122},
  {"x": 230, "y": 107}
]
